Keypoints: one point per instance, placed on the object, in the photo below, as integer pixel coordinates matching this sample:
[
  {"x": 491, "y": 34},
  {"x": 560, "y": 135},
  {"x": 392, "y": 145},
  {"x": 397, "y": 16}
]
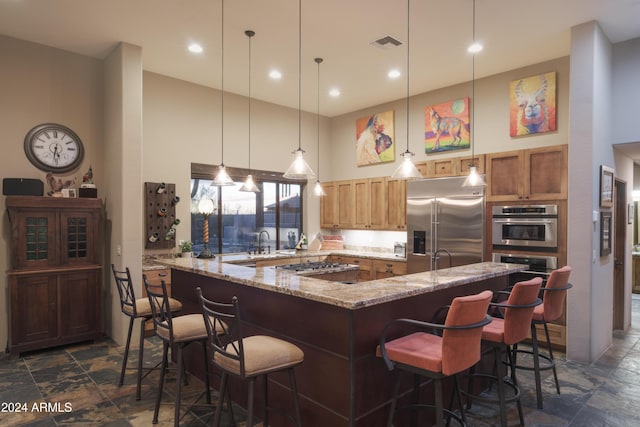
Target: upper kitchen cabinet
[
  {"x": 533, "y": 174},
  {"x": 396, "y": 204},
  {"x": 452, "y": 166},
  {"x": 370, "y": 203},
  {"x": 336, "y": 207}
]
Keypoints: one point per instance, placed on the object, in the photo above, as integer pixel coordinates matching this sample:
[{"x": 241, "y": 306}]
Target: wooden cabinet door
[
  {"x": 396, "y": 204},
  {"x": 34, "y": 239},
  {"x": 365, "y": 273},
  {"x": 79, "y": 303},
  {"x": 34, "y": 308},
  {"x": 505, "y": 176},
  {"x": 441, "y": 168},
  {"x": 78, "y": 238},
  {"x": 465, "y": 162},
  {"x": 362, "y": 204},
  {"x": 546, "y": 173},
  {"x": 345, "y": 204},
  {"x": 385, "y": 268},
  {"x": 378, "y": 203},
  {"x": 328, "y": 206}
]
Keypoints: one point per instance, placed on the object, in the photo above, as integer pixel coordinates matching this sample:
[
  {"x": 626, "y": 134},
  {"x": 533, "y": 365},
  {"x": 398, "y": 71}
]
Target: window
[{"x": 242, "y": 222}]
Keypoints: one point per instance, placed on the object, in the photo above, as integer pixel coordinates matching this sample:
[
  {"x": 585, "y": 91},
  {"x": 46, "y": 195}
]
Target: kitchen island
[{"x": 341, "y": 382}]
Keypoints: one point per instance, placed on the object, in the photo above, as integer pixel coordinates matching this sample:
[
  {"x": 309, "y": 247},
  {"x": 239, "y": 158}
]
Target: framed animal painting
[
  {"x": 446, "y": 126},
  {"x": 374, "y": 139},
  {"x": 532, "y": 105}
]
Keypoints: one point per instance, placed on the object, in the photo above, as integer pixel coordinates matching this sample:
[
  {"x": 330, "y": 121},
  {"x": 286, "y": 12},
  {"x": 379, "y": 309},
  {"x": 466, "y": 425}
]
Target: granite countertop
[{"x": 351, "y": 296}]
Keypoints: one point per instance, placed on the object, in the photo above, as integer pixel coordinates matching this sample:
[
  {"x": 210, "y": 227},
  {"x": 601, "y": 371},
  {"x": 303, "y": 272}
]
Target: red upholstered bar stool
[
  {"x": 247, "y": 357},
  {"x": 502, "y": 334},
  {"x": 554, "y": 294},
  {"x": 176, "y": 332},
  {"x": 135, "y": 308},
  {"x": 436, "y": 357}
]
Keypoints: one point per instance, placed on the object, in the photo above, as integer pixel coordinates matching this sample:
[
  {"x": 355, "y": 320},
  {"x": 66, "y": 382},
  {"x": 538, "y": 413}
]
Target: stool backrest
[
  {"x": 222, "y": 321},
  {"x": 461, "y": 347},
  {"x": 517, "y": 320},
  {"x": 160, "y": 309},
  {"x": 125, "y": 290},
  {"x": 553, "y": 301}
]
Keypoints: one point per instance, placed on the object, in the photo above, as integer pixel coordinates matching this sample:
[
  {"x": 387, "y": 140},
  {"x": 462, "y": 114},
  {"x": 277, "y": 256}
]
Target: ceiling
[{"x": 515, "y": 33}]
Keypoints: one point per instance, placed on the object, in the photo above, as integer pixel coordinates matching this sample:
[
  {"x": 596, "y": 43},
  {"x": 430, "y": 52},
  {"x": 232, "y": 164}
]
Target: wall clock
[{"x": 53, "y": 148}]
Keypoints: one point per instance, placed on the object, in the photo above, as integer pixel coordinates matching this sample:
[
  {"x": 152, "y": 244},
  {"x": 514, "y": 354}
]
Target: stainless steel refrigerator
[{"x": 445, "y": 224}]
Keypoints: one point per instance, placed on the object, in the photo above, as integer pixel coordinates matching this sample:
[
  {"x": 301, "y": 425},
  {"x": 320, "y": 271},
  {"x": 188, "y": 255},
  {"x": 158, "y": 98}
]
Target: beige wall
[{"x": 40, "y": 85}]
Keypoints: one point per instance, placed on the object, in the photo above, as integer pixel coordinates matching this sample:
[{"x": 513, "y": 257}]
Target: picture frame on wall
[
  {"x": 605, "y": 233},
  {"x": 606, "y": 186}
]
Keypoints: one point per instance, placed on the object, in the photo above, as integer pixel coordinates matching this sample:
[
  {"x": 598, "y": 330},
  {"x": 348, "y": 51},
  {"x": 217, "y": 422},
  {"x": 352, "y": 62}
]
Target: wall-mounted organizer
[{"x": 160, "y": 215}]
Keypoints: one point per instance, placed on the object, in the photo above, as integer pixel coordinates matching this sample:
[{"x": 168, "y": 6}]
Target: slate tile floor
[{"x": 605, "y": 393}]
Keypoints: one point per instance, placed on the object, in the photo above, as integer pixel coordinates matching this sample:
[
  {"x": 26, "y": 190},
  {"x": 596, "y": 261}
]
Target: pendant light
[
  {"x": 474, "y": 179},
  {"x": 223, "y": 178},
  {"x": 299, "y": 169},
  {"x": 407, "y": 170},
  {"x": 318, "y": 191},
  {"x": 249, "y": 186}
]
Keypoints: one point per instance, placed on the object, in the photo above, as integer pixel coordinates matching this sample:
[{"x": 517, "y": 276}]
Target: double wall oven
[{"x": 526, "y": 234}]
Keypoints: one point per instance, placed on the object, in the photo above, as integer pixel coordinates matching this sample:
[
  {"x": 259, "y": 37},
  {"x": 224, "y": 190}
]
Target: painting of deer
[{"x": 532, "y": 105}]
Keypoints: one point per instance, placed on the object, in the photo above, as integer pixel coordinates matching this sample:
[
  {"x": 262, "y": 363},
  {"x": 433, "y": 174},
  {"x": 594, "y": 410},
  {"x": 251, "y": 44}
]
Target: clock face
[{"x": 53, "y": 148}]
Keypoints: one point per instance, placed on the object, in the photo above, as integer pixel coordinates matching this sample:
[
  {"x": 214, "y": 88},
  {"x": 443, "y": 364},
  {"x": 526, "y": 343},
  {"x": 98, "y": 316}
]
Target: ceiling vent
[{"x": 386, "y": 42}]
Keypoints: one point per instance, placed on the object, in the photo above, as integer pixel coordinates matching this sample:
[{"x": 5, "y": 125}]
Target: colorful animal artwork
[
  {"x": 374, "y": 139},
  {"x": 447, "y": 126},
  {"x": 532, "y": 105}
]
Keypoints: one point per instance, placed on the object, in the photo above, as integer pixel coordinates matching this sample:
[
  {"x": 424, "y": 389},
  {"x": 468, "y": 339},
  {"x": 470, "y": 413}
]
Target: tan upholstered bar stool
[
  {"x": 427, "y": 354},
  {"x": 135, "y": 308},
  {"x": 506, "y": 330},
  {"x": 176, "y": 332},
  {"x": 246, "y": 357},
  {"x": 554, "y": 294}
]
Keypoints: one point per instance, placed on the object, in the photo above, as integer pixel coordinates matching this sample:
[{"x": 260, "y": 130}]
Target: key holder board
[{"x": 160, "y": 215}]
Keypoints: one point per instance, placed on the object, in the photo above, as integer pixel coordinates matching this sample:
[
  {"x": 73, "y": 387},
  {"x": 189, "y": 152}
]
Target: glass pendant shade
[
  {"x": 299, "y": 169},
  {"x": 474, "y": 179},
  {"x": 249, "y": 186},
  {"x": 205, "y": 206},
  {"x": 318, "y": 190},
  {"x": 407, "y": 170},
  {"x": 222, "y": 179}
]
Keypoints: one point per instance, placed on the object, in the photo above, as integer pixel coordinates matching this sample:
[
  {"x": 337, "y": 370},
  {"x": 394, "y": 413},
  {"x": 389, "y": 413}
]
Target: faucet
[
  {"x": 436, "y": 258},
  {"x": 260, "y": 250}
]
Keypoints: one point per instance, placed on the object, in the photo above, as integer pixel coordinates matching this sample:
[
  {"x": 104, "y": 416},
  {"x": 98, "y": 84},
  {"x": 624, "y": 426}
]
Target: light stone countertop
[{"x": 350, "y": 296}]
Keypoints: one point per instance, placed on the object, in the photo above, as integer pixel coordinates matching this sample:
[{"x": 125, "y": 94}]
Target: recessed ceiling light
[
  {"x": 474, "y": 48},
  {"x": 334, "y": 92},
  {"x": 275, "y": 74},
  {"x": 394, "y": 74},
  {"x": 195, "y": 48}
]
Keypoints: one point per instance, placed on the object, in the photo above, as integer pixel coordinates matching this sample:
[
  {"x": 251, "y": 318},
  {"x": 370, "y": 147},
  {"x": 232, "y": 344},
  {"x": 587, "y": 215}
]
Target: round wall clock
[{"x": 53, "y": 148}]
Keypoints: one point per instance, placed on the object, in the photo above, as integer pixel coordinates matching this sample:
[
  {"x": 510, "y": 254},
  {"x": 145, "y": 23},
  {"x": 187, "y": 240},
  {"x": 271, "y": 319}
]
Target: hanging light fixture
[
  {"x": 474, "y": 179},
  {"x": 222, "y": 178},
  {"x": 249, "y": 186},
  {"x": 299, "y": 169},
  {"x": 407, "y": 170},
  {"x": 318, "y": 187}
]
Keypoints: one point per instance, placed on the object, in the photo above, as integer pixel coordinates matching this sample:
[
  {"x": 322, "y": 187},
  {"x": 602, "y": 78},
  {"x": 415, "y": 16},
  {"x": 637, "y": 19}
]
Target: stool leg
[
  {"x": 294, "y": 393},
  {"x": 252, "y": 383},
  {"x": 553, "y": 362},
  {"x": 512, "y": 363},
  {"x": 392, "y": 410},
  {"x": 437, "y": 385},
  {"x": 265, "y": 392},
  {"x": 456, "y": 384},
  {"x": 206, "y": 370},
  {"x": 536, "y": 364},
  {"x": 500, "y": 374},
  {"x": 126, "y": 352},
  {"x": 176, "y": 415},
  {"x": 143, "y": 321},
  {"x": 165, "y": 350},
  {"x": 223, "y": 390}
]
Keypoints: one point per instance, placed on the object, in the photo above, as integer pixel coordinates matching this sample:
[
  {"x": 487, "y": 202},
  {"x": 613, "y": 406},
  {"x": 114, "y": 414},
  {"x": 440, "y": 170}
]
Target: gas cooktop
[{"x": 320, "y": 266}]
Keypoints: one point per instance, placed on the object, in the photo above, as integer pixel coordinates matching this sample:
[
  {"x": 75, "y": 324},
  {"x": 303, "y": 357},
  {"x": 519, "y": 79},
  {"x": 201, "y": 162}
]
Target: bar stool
[
  {"x": 246, "y": 357},
  {"x": 135, "y": 309},
  {"x": 554, "y": 294},
  {"x": 432, "y": 356},
  {"x": 502, "y": 334},
  {"x": 176, "y": 332}
]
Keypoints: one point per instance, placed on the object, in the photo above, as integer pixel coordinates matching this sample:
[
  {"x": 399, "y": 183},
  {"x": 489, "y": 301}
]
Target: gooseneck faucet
[
  {"x": 436, "y": 258},
  {"x": 260, "y": 250}
]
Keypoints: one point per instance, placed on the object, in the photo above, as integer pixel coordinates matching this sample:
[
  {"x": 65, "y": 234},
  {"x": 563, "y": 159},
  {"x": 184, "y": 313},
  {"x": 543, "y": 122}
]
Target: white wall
[{"x": 626, "y": 91}]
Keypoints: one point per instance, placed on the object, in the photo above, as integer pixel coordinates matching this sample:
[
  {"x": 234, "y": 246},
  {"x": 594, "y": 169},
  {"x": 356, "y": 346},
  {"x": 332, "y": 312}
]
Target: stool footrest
[
  {"x": 446, "y": 411},
  {"x": 507, "y": 381},
  {"x": 543, "y": 367}
]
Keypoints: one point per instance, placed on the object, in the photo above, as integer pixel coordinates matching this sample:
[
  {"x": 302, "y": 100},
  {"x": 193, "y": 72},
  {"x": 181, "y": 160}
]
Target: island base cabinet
[{"x": 52, "y": 309}]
